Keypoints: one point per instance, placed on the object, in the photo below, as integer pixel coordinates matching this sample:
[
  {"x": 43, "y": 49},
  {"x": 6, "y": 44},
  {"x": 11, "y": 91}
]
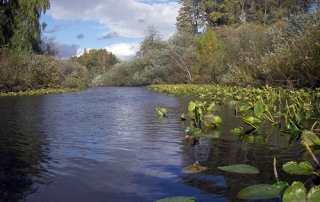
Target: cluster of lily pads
[{"x": 293, "y": 112}]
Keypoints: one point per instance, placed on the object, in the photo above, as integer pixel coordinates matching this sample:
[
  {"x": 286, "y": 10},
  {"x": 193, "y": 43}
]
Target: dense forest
[{"x": 242, "y": 42}]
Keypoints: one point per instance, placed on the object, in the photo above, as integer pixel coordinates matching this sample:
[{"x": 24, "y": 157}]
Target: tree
[
  {"x": 20, "y": 27},
  {"x": 179, "y": 54},
  {"x": 209, "y": 49},
  {"x": 191, "y": 16},
  {"x": 228, "y": 12},
  {"x": 97, "y": 61},
  {"x": 152, "y": 41}
]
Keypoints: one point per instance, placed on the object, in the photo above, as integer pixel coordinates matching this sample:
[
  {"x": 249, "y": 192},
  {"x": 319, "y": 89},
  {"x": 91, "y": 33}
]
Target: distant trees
[
  {"x": 97, "y": 61},
  {"x": 194, "y": 14}
]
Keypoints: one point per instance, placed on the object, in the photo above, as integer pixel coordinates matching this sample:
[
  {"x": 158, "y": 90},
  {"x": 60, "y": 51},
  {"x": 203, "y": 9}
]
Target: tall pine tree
[{"x": 191, "y": 16}]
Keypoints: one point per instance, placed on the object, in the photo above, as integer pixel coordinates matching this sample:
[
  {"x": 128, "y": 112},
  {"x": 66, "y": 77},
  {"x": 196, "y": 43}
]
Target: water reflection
[
  {"x": 107, "y": 144},
  {"x": 23, "y": 148}
]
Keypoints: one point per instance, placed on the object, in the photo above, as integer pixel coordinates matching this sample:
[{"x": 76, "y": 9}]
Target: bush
[{"x": 30, "y": 71}]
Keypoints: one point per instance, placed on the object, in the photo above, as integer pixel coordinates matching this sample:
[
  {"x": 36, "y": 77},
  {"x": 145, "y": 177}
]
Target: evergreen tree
[{"x": 191, "y": 16}]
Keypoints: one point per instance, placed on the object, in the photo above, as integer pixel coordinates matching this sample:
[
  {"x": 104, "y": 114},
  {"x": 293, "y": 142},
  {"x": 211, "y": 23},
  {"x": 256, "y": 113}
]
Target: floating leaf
[
  {"x": 161, "y": 111},
  {"x": 295, "y": 192},
  {"x": 263, "y": 191},
  {"x": 237, "y": 131},
  {"x": 240, "y": 168},
  {"x": 177, "y": 199},
  {"x": 258, "y": 109},
  {"x": 210, "y": 108},
  {"x": 191, "y": 107},
  {"x": 195, "y": 168},
  {"x": 303, "y": 168},
  {"x": 314, "y": 194},
  {"x": 250, "y": 120},
  {"x": 310, "y": 138},
  {"x": 211, "y": 119}
]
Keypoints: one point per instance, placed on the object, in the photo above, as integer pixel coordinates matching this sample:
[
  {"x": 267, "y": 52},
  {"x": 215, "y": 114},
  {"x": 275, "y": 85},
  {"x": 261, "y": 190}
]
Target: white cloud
[
  {"x": 124, "y": 51},
  {"x": 129, "y": 18}
]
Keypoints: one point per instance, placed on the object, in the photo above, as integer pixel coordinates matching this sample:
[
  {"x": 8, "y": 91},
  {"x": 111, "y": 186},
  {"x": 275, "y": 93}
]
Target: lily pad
[
  {"x": 211, "y": 119},
  {"x": 177, "y": 199},
  {"x": 251, "y": 121},
  {"x": 263, "y": 191},
  {"x": 310, "y": 138},
  {"x": 161, "y": 111},
  {"x": 210, "y": 108},
  {"x": 258, "y": 109},
  {"x": 314, "y": 194},
  {"x": 303, "y": 168},
  {"x": 240, "y": 168},
  {"x": 295, "y": 192},
  {"x": 237, "y": 131},
  {"x": 195, "y": 168}
]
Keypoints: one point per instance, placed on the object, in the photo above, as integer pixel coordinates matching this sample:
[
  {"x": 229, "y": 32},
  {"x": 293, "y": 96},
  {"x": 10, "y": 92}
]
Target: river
[{"x": 107, "y": 144}]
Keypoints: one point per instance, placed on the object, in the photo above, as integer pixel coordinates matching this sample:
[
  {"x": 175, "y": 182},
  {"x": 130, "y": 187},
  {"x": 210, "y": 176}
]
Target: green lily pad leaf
[
  {"x": 211, "y": 119},
  {"x": 250, "y": 120},
  {"x": 195, "y": 168},
  {"x": 314, "y": 194},
  {"x": 191, "y": 107},
  {"x": 303, "y": 168},
  {"x": 263, "y": 191},
  {"x": 240, "y": 168},
  {"x": 161, "y": 111},
  {"x": 310, "y": 138},
  {"x": 258, "y": 109},
  {"x": 210, "y": 107},
  {"x": 295, "y": 192},
  {"x": 177, "y": 199},
  {"x": 237, "y": 131}
]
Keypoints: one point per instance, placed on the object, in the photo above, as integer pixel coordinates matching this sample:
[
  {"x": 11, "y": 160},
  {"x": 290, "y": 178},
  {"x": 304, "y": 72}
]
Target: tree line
[
  {"x": 28, "y": 59},
  {"x": 243, "y": 42}
]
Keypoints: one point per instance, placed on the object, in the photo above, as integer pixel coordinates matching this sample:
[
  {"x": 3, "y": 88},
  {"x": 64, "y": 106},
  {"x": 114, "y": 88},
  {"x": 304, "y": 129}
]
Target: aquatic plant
[
  {"x": 194, "y": 168},
  {"x": 177, "y": 199},
  {"x": 161, "y": 111}
]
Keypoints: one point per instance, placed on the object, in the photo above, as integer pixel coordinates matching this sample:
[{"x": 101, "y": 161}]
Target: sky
[{"x": 116, "y": 25}]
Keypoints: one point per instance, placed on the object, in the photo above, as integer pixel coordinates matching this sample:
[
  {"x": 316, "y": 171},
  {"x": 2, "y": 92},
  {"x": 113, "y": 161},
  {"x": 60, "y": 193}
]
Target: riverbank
[{"x": 40, "y": 92}]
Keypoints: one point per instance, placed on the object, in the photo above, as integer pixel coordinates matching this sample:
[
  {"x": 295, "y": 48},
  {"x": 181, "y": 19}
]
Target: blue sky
[{"x": 117, "y": 25}]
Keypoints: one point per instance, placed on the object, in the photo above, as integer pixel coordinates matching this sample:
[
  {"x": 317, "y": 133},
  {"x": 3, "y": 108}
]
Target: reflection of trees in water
[
  {"x": 22, "y": 148},
  {"x": 213, "y": 153}
]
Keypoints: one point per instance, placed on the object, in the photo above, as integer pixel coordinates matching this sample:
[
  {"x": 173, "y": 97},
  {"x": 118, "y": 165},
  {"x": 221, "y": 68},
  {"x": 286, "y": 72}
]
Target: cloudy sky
[{"x": 117, "y": 25}]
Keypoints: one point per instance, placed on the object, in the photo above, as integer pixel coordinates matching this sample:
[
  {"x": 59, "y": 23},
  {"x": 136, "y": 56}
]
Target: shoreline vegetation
[
  {"x": 278, "y": 47},
  {"x": 41, "y": 92}
]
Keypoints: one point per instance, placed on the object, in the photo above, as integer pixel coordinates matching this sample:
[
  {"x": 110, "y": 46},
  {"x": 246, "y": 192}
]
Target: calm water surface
[{"x": 107, "y": 144}]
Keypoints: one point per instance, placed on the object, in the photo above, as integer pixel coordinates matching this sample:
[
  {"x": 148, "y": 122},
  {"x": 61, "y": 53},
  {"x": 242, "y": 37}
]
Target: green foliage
[
  {"x": 161, "y": 111},
  {"x": 21, "y": 28},
  {"x": 30, "y": 71},
  {"x": 177, "y": 199},
  {"x": 288, "y": 64},
  {"x": 97, "y": 61},
  {"x": 240, "y": 168},
  {"x": 209, "y": 51},
  {"x": 263, "y": 191},
  {"x": 152, "y": 41},
  {"x": 190, "y": 17}
]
